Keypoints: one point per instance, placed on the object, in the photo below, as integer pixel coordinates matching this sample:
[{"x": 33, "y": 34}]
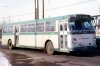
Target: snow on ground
[{"x": 3, "y": 60}]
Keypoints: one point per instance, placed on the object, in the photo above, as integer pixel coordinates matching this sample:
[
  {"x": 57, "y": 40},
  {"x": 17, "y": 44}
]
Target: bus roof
[{"x": 46, "y": 19}]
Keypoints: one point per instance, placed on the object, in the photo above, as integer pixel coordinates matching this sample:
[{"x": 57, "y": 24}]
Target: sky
[{"x": 22, "y": 10}]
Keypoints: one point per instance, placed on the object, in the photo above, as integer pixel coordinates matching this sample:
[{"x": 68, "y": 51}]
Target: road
[{"x": 31, "y": 57}]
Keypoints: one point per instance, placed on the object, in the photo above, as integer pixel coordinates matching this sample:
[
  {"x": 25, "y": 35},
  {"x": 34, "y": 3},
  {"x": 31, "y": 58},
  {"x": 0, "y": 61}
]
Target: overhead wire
[
  {"x": 54, "y": 8},
  {"x": 71, "y": 4}
]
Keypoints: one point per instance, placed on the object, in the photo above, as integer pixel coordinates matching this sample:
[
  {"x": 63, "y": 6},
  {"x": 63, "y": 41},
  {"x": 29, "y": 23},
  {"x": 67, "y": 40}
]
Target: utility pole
[
  {"x": 99, "y": 10},
  {"x": 36, "y": 9},
  {"x": 43, "y": 8},
  {"x": 9, "y": 19}
]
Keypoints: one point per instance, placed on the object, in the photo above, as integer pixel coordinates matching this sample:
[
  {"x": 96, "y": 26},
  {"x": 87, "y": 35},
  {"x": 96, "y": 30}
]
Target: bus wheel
[
  {"x": 49, "y": 48},
  {"x": 10, "y": 46}
]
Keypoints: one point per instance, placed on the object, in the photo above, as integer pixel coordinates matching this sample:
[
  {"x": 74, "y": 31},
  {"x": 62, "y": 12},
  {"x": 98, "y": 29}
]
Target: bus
[{"x": 63, "y": 34}]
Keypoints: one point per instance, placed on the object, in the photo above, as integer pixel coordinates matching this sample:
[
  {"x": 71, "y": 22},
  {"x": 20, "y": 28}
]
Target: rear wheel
[
  {"x": 10, "y": 46},
  {"x": 50, "y": 48}
]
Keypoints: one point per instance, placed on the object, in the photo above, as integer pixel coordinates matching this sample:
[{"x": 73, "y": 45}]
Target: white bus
[{"x": 63, "y": 34}]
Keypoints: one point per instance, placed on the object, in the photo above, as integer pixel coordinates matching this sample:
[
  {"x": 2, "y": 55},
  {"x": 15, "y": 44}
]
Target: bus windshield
[{"x": 81, "y": 25}]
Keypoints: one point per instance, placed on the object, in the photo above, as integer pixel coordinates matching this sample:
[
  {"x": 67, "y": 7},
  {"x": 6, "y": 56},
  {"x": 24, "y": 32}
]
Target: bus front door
[
  {"x": 16, "y": 35},
  {"x": 63, "y": 35}
]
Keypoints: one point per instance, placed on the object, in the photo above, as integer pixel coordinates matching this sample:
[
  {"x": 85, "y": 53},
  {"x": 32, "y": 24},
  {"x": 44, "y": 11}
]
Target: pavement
[
  {"x": 4, "y": 60},
  {"x": 32, "y": 57},
  {"x": 25, "y": 57}
]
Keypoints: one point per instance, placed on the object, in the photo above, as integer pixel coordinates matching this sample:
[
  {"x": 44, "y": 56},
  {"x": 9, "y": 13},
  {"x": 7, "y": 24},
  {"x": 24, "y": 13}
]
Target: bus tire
[
  {"x": 10, "y": 46},
  {"x": 50, "y": 48}
]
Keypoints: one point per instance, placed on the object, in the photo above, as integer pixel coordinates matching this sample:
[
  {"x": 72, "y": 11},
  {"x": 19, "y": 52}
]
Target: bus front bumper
[{"x": 85, "y": 48}]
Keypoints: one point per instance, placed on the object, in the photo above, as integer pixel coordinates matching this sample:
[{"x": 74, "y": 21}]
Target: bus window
[
  {"x": 40, "y": 27},
  {"x": 5, "y": 30},
  {"x": 61, "y": 40},
  {"x": 72, "y": 26},
  {"x": 8, "y": 29},
  {"x": 81, "y": 25},
  {"x": 61, "y": 27},
  {"x": 24, "y": 28},
  {"x": 31, "y": 27},
  {"x": 50, "y": 26},
  {"x": 65, "y": 26}
]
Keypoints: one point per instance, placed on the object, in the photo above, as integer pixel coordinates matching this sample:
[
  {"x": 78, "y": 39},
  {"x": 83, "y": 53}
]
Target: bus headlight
[
  {"x": 94, "y": 39},
  {"x": 74, "y": 39}
]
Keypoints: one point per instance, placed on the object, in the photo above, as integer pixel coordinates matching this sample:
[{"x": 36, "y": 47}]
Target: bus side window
[
  {"x": 10, "y": 29},
  {"x": 65, "y": 26},
  {"x": 24, "y": 28},
  {"x": 50, "y": 26},
  {"x": 31, "y": 27},
  {"x": 5, "y": 30},
  {"x": 61, "y": 27},
  {"x": 40, "y": 27}
]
